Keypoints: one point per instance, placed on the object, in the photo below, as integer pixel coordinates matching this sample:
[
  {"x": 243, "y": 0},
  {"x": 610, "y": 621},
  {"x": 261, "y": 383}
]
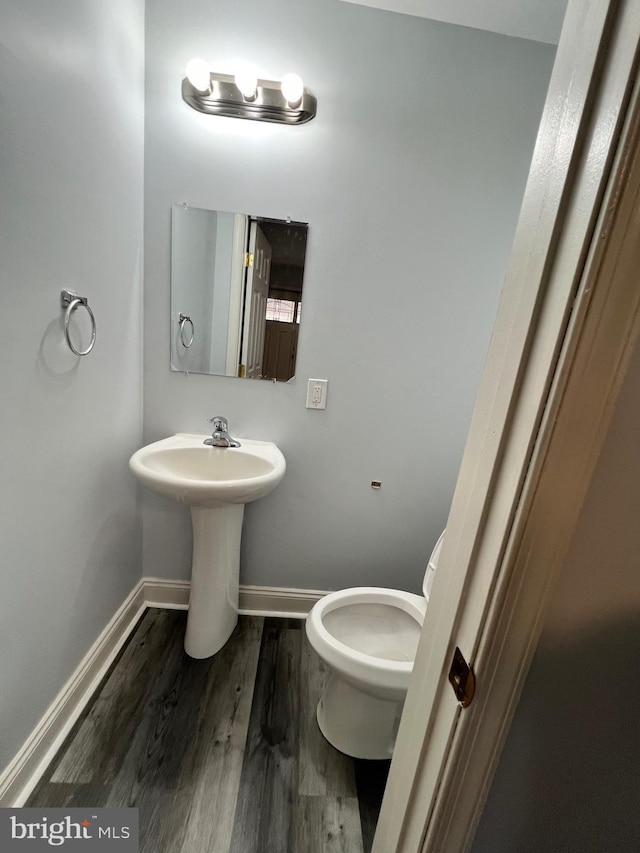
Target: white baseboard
[
  {"x": 172, "y": 595},
  {"x": 21, "y": 776},
  {"x": 254, "y": 600},
  {"x": 275, "y": 601}
]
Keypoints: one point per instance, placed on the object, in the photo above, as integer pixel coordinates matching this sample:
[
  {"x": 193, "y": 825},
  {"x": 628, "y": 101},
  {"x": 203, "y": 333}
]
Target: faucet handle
[{"x": 219, "y": 424}]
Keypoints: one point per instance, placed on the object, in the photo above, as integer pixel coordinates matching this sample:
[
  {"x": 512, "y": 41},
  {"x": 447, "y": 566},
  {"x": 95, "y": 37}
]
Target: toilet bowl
[{"x": 367, "y": 637}]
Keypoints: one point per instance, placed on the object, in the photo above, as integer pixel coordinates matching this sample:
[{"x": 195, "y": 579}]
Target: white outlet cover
[{"x": 317, "y": 393}]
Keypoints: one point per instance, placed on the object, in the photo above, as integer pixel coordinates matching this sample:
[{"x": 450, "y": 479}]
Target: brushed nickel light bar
[{"x": 245, "y": 96}]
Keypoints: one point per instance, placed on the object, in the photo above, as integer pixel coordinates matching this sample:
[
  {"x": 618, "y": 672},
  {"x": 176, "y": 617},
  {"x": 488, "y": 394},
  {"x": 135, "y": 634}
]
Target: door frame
[
  {"x": 236, "y": 294},
  {"x": 567, "y": 323},
  {"x": 250, "y": 328}
]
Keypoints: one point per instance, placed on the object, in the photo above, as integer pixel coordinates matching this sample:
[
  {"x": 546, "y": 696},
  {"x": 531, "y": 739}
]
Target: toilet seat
[{"x": 378, "y": 672}]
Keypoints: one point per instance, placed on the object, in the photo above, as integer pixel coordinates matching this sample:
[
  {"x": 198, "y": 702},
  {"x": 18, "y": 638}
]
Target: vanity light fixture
[{"x": 245, "y": 96}]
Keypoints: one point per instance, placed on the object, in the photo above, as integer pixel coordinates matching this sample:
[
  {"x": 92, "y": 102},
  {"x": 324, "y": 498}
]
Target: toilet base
[{"x": 357, "y": 723}]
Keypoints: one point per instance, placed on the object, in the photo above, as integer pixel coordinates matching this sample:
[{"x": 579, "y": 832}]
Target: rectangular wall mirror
[{"x": 236, "y": 293}]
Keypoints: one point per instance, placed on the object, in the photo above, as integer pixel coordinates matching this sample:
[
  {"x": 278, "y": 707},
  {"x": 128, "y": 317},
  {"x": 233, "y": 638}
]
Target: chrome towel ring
[
  {"x": 183, "y": 319},
  {"x": 71, "y": 301}
]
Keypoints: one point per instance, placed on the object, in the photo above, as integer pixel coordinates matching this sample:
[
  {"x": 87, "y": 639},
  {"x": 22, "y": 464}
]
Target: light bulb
[
  {"x": 247, "y": 82},
  {"x": 198, "y": 75},
  {"x": 292, "y": 89}
]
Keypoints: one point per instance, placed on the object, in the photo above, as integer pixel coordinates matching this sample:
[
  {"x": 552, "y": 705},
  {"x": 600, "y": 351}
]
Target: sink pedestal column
[{"x": 215, "y": 578}]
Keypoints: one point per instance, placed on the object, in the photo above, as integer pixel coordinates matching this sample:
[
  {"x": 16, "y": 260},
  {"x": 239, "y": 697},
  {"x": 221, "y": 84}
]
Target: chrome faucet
[{"x": 220, "y": 436}]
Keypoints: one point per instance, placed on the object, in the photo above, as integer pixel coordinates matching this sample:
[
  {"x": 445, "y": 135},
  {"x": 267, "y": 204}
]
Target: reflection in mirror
[{"x": 236, "y": 293}]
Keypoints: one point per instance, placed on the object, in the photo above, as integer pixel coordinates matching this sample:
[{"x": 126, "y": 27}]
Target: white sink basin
[
  {"x": 216, "y": 482},
  {"x": 183, "y": 468}
]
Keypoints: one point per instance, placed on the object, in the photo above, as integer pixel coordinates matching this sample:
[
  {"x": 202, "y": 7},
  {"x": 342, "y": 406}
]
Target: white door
[
  {"x": 567, "y": 318},
  {"x": 280, "y": 345},
  {"x": 255, "y": 301}
]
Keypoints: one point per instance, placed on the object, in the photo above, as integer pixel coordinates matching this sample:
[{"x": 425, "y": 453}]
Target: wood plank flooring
[{"x": 222, "y": 755}]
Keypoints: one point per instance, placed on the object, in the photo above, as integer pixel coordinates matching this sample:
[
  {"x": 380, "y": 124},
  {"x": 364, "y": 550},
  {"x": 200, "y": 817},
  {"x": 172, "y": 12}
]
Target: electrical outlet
[{"x": 317, "y": 394}]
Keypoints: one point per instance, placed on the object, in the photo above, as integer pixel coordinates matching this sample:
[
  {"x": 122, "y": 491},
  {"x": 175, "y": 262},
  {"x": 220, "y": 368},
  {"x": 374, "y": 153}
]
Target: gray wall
[
  {"x": 70, "y": 216},
  {"x": 411, "y": 178},
  {"x": 568, "y": 778}
]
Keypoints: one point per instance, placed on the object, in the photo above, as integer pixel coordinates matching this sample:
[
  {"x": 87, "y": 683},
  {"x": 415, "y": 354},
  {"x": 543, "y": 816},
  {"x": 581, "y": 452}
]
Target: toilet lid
[{"x": 432, "y": 565}]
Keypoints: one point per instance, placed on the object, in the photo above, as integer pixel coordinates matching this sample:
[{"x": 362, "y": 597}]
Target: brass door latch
[{"x": 462, "y": 679}]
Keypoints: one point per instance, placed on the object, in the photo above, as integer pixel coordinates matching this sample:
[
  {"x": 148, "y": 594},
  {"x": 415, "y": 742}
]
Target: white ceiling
[{"x": 538, "y": 20}]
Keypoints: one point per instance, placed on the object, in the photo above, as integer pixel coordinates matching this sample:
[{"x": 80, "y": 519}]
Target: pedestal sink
[{"x": 216, "y": 482}]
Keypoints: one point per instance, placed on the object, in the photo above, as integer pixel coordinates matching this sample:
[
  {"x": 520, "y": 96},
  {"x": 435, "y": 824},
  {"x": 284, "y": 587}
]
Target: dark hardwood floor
[{"x": 222, "y": 755}]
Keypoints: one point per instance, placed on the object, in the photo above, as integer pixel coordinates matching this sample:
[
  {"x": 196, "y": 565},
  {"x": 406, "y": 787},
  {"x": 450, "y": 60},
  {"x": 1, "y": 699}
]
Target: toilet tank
[{"x": 432, "y": 565}]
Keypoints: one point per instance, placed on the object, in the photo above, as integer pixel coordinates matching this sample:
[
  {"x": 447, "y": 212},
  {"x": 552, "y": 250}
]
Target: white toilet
[{"x": 368, "y": 638}]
